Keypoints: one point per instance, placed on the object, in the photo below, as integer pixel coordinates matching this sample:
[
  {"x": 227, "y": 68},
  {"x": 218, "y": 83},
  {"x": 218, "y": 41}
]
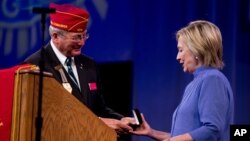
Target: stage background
[{"x": 142, "y": 32}]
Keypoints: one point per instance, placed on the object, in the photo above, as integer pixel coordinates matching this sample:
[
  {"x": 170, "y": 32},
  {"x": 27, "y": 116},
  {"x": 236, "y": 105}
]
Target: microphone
[
  {"x": 43, "y": 10},
  {"x": 39, "y": 119}
]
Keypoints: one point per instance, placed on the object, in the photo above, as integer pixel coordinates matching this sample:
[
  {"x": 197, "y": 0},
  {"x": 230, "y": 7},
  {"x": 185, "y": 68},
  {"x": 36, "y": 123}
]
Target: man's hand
[{"x": 120, "y": 126}]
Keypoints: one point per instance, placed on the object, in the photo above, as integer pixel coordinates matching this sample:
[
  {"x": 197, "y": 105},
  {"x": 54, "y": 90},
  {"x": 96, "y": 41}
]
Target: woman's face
[{"x": 185, "y": 57}]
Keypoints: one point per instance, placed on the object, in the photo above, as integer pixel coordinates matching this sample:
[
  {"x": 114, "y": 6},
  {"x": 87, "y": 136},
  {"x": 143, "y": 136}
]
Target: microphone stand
[{"x": 39, "y": 119}]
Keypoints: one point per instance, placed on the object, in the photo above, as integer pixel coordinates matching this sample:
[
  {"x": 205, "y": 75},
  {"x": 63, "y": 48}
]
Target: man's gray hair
[{"x": 55, "y": 30}]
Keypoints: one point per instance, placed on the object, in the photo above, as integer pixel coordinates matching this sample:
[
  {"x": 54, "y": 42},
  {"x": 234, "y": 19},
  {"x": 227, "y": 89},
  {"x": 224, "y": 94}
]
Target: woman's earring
[{"x": 196, "y": 58}]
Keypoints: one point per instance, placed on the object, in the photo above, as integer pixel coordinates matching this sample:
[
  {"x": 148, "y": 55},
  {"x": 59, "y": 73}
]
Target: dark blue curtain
[{"x": 143, "y": 31}]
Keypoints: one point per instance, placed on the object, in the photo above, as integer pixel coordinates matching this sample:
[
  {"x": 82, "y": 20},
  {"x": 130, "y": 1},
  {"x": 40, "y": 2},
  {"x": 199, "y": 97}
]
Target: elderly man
[{"x": 68, "y": 31}]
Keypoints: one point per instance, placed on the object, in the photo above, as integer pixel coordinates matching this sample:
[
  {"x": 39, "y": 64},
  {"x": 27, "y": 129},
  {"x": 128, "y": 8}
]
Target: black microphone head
[{"x": 43, "y": 10}]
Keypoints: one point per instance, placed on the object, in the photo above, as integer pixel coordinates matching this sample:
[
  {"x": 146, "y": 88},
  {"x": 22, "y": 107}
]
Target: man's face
[{"x": 70, "y": 43}]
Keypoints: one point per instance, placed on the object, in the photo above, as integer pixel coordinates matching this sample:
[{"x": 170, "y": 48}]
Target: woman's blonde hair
[{"x": 204, "y": 40}]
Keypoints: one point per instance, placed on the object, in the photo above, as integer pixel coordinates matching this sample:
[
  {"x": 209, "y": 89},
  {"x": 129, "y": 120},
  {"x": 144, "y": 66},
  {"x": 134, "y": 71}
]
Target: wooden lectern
[{"x": 64, "y": 117}]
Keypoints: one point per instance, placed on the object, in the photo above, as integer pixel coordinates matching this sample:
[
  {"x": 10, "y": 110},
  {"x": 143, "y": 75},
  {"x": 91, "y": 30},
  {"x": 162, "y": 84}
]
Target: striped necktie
[{"x": 70, "y": 70}]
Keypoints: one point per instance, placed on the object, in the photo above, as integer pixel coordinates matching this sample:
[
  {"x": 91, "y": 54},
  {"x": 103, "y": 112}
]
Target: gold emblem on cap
[{"x": 80, "y": 30}]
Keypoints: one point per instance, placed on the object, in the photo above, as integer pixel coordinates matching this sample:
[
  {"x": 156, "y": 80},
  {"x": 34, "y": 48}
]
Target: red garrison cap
[{"x": 69, "y": 18}]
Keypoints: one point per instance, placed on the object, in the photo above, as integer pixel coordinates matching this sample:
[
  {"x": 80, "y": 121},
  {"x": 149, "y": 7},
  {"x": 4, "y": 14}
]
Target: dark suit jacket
[{"x": 88, "y": 75}]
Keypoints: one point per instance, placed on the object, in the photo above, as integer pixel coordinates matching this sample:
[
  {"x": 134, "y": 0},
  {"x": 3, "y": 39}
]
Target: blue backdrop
[{"x": 143, "y": 31}]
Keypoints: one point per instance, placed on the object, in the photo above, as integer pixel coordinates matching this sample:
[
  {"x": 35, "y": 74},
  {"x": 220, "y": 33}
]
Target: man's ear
[
  {"x": 54, "y": 35},
  {"x": 55, "y": 38}
]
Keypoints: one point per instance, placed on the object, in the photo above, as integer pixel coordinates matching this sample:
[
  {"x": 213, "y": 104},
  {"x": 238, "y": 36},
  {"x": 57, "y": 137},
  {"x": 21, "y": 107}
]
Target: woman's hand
[{"x": 144, "y": 129}]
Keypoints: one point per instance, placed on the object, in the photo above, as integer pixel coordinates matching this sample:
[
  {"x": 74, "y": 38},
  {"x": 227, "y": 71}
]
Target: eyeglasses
[
  {"x": 78, "y": 38},
  {"x": 81, "y": 37}
]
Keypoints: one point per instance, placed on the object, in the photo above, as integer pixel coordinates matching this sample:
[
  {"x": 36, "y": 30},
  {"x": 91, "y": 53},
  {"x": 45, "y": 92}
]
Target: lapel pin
[{"x": 81, "y": 66}]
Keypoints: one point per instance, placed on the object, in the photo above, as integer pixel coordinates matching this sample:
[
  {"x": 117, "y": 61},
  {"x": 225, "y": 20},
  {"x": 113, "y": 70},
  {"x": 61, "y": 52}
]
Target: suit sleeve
[{"x": 102, "y": 109}]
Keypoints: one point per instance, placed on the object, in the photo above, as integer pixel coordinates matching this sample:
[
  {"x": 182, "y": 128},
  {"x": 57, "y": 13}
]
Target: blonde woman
[{"x": 207, "y": 107}]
